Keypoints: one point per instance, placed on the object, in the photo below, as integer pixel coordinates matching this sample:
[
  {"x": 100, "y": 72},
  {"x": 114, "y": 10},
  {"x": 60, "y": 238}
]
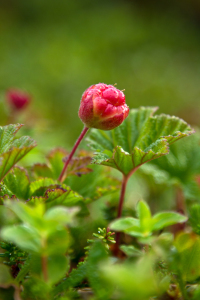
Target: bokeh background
[{"x": 54, "y": 50}]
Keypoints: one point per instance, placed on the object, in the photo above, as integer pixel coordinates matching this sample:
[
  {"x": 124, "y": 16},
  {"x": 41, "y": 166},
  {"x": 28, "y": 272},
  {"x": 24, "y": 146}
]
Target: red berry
[
  {"x": 17, "y": 99},
  {"x": 103, "y": 107}
]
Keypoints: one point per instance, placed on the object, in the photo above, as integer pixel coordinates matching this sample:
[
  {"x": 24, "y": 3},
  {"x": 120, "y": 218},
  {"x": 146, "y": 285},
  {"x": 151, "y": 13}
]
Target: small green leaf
[
  {"x": 194, "y": 218},
  {"x": 164, "y": 219},
  {"x": 12, "y": 149},
  {"x": 57, "y": 267},
  {"x": 188, "y": 260},
  {"x": 139, "y": 139},
  {"x": 26, "y": 237},
  {"x": 28, "y": 214},
  {"x": 5, "y": 276},
  {"x": 60, "y": 214},
  {"x": 132, "y": 280},
  {"x": 145, "y": 225},
  {"x": 58, "y": 240},
  {"x": 124, "y": 224},
  {"x": 144, "y": 215},
  {"x": 130, "y": 250}
]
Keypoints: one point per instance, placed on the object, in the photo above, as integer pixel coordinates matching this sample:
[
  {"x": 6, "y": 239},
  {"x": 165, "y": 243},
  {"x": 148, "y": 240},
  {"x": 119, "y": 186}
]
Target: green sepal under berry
[{"x": 142, "y": 137}]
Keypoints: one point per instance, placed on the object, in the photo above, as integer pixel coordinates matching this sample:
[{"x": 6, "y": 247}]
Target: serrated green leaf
[
  {"x": 7, "y": 134},
  {"x": 17, "y": 181},
  {"x": 182, "y": 166},
  {"x": 38, "y": 187},
  {"x": 94, "y": 185},
  {"x": 12, "y": 149},
  {"x": 62, "y": 196},
  {"x": 139, "y": 139},
  {"x": 57, "y": 195},
  {"x": 165, "y": 219},
  {"x": 76, "y": 276},
  {"x": 4, "y": 191},
  {"x": 153, "y": 174}
]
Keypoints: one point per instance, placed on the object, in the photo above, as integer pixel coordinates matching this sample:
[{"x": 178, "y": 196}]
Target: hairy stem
[
  {"x": 121, "y": 201},
  {"x": 61, "y": 177}
]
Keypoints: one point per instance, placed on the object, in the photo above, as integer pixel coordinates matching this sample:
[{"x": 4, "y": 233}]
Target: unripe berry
[
  {"x": 17, "y": 99},
  {"x": 103, "y": 107}
]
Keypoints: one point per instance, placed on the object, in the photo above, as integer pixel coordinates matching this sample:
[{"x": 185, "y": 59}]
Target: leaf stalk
[
  {"x": 83, "y": 133},
  {"x": 121, "y": 201}
]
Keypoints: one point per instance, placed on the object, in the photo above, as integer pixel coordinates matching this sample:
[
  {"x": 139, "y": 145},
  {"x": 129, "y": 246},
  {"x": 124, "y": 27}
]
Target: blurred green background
[{"x": 56, "y": 49}]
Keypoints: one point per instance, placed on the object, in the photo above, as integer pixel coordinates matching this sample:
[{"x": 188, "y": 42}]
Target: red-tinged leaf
[
  {"x": 78, "y": 166},
  {"x": 41, "y": 170},
  {"x": 62, "y": 196}
]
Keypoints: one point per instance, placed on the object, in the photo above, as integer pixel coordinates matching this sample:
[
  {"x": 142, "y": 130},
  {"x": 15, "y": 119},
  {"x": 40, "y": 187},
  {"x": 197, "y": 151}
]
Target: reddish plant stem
[
  {"x": 121, "y": 201},
  {"x": 180, "y": 208},
  {"x": 180, "y": 200},
  {"x": 85, "y": 129},
  {"x": 44, "y": 267}
]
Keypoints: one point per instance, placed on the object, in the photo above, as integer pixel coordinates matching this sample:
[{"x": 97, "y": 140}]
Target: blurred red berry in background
[{"x": 17, "y": 99}]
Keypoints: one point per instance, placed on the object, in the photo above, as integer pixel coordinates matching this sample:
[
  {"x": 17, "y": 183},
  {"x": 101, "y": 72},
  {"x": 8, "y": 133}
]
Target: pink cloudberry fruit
[
  {"x": 17, "y": 99},
  {"x": 103, "y": 106}
]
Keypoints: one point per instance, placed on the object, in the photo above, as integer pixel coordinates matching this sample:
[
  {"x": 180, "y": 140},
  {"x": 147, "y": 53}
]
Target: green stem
[{"x": 61, "y": 177}]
